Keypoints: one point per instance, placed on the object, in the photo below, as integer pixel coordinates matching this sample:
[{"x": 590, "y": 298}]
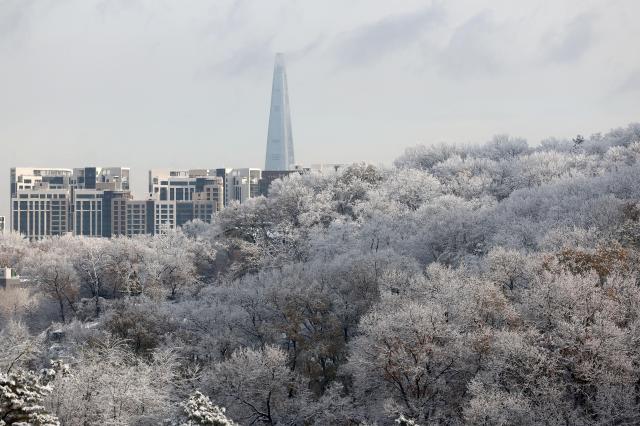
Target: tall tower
[{"x": 279, "y": 139}]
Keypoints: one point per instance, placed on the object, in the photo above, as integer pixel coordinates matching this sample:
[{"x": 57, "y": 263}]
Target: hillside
[{"x": 492, "y": 284}]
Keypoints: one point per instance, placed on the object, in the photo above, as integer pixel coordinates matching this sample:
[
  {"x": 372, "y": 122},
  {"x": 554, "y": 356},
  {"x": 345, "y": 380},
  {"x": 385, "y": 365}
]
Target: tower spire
[{"x": 279, "y": 138}]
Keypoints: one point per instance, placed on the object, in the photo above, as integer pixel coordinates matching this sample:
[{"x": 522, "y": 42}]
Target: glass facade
[{"x": 279, "y": 154}]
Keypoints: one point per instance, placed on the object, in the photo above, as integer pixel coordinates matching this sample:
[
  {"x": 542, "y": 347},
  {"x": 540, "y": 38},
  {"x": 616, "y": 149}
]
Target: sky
[{"x": 158, "y": 83}]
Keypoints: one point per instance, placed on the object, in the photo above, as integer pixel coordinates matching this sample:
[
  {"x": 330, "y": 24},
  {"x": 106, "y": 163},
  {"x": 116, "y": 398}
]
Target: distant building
[
  {"x": 25, "y": 178},
  {"x": 164, "y": 218},
  {"x": 87, "y": 212},
  {"x": 8, "y": 278},
  {"x": 242, "y": 184},
  {"x": 132, "y": 217},
  {"x": 140, "y": 218},
  {"x": 183, "y": 195},
  {"x": 101, "y": 178},
  {"x": 222, "y": 174},
  {"x": 41, "y": 212},
  {"x": 2, "y": 220},
  {"x": 92, "y": 211},
  {"x": 180, "y": 185},
  {"x": 112, "y": 201},
  {"x": 39, "y": 201},
  {"x": 96, "y": 201},
  {"x": 279, "y": 154},
  {"x": 51, "y": 201},
  {"x": 119, "y": 216}
]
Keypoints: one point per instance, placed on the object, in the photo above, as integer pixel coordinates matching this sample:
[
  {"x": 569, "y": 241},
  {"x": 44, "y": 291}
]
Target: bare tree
[{"x": 53, "y": 273}]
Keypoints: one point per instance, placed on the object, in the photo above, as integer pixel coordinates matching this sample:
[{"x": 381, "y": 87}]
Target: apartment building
[
  {"x": 242, "y": 184},
  {"x": 93, "y": 211},
  {"x": 40, "y": 212},
  {"x": 55, "y": 201},
  {"x": 132, "y": 217},
  {"x": 111, "y": 214},
  {"x": 140, "y": 217},
  {"x": 183, "y": 195},
  {"x": 101, "y": 178},
  {"x": 87, "y": 212},
  {"x": 26, "y": 178}
]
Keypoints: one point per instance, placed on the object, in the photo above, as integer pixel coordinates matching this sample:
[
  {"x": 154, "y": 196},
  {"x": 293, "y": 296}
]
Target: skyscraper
[{"x": 279, "y": 139}]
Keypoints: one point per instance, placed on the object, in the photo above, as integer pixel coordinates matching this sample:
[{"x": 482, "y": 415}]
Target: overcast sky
[{"x": 186, "y": 83}]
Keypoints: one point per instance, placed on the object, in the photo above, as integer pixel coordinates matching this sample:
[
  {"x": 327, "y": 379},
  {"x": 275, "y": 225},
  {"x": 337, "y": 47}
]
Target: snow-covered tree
[
  {"x": 53, "y": 272},
  {"x": 201, "y": 412},
  {"x": 257, "y": 386},
  {"x": 22, "y": 393},
  {"x": 469, "y": 284}
]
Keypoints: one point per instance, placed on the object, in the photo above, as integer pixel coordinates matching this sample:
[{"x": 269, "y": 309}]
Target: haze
[{"x": 186, "y": 84}]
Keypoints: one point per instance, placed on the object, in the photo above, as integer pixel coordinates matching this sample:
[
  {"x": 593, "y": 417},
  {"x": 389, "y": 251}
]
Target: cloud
[
  {"x": 570, "y": 44},
  {"x": 630, "y": 84},
  {"x": 14, "y": 16},
  {"x": 258, "y": 55},
  {"x": 244, "y": 40},
  {"x": 296, "y": 54},
  {"x": 251, "y": 57},
  {"x": 224, "y": 21},
  {"x": 372, "y": 42},
  {"x": 474, "y": 48}
]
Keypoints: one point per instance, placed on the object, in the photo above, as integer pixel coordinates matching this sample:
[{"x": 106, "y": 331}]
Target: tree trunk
[{"x": 61, "y": 303}]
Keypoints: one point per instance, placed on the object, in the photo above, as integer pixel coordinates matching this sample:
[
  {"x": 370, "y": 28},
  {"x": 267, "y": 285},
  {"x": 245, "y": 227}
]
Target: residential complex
[
  {"x": 50, "y": 201},
  {"x": 180, "y": 196},
  {"x": 97, "y": 202}
]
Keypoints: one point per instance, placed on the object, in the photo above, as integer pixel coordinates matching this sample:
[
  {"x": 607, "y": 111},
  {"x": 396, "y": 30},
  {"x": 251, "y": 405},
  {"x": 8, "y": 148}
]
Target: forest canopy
[{"x": 466, "y": 284}]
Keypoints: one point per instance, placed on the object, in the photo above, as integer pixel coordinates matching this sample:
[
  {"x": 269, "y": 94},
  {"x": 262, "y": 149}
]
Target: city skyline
[
  {"x": 97, "y": 201},
  {"x": 163, "y": 85}
]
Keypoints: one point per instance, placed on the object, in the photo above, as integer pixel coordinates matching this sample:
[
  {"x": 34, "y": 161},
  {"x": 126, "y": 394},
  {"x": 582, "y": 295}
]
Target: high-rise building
[
  {"x": 222, "y": 174},
  {"x": 1, "y": 224},
  {"x": 30, "y": 177},
  {"x": 280, "y": 138},
  {"x": 180, "y": 185},
  {"x": 87, "y": 212},
  {"x": 40, "y": 212},
  {"x": 93, "y": 190},
  {"x": 183, "y": 195},
  {"x": 112, "y": 211},
  {"x": 49, "y": 201},
  {"x": 131, "y": 217},
  {"x": 242, "y": 184},
  {"x": 40, "y": 200},
  {"x": 101, "y": 178},
  {"x": 139, "y": 217}
]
